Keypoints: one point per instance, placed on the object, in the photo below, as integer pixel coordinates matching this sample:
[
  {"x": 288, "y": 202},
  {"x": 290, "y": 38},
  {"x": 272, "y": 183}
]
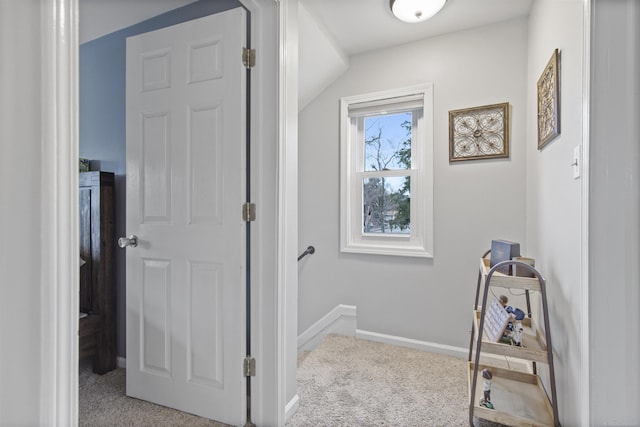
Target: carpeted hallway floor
[
  {"x": 344, "y": 382},
  {"x": 354, "y": 382},
  {"x": 103, "y": 403}
]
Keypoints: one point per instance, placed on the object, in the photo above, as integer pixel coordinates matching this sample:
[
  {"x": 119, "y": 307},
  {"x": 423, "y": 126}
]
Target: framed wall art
[
  {"x": 479, "y": 133},
  {"x": 549, "y": 102}
]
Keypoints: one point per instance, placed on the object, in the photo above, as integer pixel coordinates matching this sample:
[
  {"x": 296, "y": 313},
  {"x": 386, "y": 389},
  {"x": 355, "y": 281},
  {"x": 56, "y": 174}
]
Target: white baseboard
[
  {"x": 291, "y": 408},
  {"x": 342, "y": 320},
  {"x": 438, "y": 348},
  {"x": 411, "y": 343},
  {"x": 121, "y": 362}
]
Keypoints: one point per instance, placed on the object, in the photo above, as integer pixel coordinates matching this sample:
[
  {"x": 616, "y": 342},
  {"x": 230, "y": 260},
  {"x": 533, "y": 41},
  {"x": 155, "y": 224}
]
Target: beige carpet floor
[
  {"x": 353, "y": 382},
  {"x": 344, "y": 382},
  {"x": 103, "y": 403}
]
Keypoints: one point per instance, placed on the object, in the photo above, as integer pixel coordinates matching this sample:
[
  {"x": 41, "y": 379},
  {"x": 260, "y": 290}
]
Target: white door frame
[
  {"x": 287, "y": 294},
  {"x": 59, "y": 302},
  {"x": 274, "y": 143}
]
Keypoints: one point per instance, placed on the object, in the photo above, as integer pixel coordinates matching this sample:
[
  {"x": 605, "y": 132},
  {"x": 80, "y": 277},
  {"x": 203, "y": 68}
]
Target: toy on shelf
[
  {"x": 513, "y": 332},
  {"x": 486, "y": 387}
]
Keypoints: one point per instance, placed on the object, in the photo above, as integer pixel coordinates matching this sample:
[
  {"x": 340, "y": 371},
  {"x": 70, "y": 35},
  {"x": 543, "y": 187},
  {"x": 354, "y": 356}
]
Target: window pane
[
  {"x": 386, "y": 203},
  {"x": 387, "y": 142}
]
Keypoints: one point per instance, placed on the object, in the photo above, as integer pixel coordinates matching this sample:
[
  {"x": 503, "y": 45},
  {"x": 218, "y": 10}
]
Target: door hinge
[
  {"x": 248, "y": 57},
  {"x": 249, "y": 366},
  {"x": 249, "y": 212}
]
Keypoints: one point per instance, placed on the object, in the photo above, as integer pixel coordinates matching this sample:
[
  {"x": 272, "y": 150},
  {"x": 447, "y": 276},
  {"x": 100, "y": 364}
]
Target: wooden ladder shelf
[{"x": 520, "y": 398}]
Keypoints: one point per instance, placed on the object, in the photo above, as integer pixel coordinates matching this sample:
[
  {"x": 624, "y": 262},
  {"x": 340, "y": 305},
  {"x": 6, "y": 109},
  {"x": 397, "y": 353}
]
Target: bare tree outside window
[
  {"x": 386, "y": 188},
  {"x": 386, "y": 172}
]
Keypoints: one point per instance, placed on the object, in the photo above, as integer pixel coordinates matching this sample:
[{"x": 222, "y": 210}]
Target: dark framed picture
[
  {"x": 549, "y": 102},
  {"x": 479, "y": 133}
]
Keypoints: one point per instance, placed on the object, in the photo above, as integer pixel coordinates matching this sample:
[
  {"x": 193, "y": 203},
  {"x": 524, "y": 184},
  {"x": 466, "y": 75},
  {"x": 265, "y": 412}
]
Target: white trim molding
[
  {"x": 59, "y": 243},
  {"x": 585, "y": 393},
  {"x": 59, "y": 270},
  {"x": 342, "y": 320},
  {"x": 412, "y": 343},
  {"x": 291, "y": 408},
  {"x": 354, "y": 111},
  {"x": 287, "y": 207},
  {"x": 121, "y": 362},
  {"x": 431, "y": 347}
]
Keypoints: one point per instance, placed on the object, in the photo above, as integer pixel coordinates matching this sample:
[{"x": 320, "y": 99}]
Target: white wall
[
  {"x": 20, "y": 218},
  {"x": 554, "y": 197},
  {"x": 615, "y": 214},
  {"x": 474, "y": 201}
]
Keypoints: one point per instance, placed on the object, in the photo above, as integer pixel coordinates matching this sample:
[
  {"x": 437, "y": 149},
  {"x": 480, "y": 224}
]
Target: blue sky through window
[{"x": 387, "y": 133}]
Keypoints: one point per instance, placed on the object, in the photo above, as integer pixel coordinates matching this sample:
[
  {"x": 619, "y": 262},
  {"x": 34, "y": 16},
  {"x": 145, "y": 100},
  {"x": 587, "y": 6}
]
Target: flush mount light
[{"x": 413, "y": 11}]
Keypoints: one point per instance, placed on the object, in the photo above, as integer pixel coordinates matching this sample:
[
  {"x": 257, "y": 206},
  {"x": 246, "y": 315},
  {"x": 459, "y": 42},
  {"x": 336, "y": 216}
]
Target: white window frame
[{"x": 419, "y": 243}]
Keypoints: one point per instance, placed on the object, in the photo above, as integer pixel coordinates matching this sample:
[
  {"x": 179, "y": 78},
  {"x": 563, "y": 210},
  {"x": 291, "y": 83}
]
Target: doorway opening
[{"x": 94, "y": 60}]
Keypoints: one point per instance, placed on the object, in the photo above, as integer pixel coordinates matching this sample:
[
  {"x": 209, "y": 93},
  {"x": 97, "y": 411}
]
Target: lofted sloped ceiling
[
  {"x": 331, "y": 31},
  {"x": 362, "y": 25},
  {"x": 321, "y": 57}
]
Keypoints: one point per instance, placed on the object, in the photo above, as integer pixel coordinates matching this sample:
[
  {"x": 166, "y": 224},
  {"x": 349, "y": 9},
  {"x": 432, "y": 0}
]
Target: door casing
[{"x": 271, "y": 135}]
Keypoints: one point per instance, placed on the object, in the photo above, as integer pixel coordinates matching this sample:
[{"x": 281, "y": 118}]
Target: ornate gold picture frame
[
  {"x": 479, "y": 133},
  {"x": 549, "y": 102}
]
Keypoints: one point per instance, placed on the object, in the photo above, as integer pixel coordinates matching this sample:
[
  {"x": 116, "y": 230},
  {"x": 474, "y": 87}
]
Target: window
[{"x": 386, "y": 192}]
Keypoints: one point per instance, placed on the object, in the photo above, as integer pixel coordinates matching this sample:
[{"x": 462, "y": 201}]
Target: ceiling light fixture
[{"x": 413, "y": 11}]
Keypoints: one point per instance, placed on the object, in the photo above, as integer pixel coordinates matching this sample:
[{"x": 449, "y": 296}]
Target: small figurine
[
  {"x": 503, "y": 300},
  {"x": 513, "y": 333},
  {"x": 486, "y": 386}
]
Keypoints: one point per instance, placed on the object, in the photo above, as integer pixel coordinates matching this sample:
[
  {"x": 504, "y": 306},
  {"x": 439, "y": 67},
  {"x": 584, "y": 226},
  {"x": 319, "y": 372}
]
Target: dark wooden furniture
[{"x": 97, "y": 334}]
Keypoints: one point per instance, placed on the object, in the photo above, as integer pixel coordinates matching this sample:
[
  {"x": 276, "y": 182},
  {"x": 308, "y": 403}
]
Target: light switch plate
[{"x": 576, "y": 162}]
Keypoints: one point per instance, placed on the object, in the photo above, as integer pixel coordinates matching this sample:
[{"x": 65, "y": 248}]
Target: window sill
[{"x": 405, "y": 251}]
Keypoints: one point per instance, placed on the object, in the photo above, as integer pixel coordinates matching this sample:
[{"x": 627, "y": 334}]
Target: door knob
[{"x": 132, "y": 241}]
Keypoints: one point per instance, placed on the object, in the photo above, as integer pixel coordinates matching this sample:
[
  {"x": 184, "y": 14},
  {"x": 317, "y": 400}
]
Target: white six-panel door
[{"x": 186, "y": 88}]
